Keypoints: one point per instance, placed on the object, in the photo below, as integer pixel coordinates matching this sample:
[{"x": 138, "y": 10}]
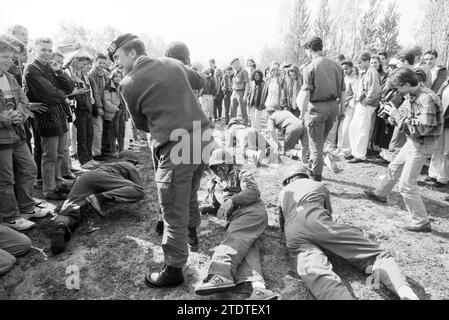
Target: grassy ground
[{"x": 113, "y": 259}]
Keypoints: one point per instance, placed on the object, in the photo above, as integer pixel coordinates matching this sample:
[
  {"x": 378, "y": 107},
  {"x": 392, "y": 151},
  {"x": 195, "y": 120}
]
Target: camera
[{"x": 393, "y": 98}]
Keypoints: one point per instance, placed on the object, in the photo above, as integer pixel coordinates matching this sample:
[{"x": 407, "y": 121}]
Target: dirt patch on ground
[{"x": 113, "y": 260}]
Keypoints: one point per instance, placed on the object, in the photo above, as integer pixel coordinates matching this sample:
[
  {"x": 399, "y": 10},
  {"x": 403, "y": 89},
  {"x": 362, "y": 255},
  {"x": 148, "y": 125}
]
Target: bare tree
[
  {"x": 323, "y": 23},
  {"x": 388, "y": 29},
  {"x": 433, "y": 31},
  {"x": 297, "y": 32},
  {"x": 368, "y": 26}
]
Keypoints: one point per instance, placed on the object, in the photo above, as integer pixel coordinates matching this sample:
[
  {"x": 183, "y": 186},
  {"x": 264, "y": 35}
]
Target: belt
[
  {"x": 239, "y": 90},
  {"x": 328, "y": 100}
]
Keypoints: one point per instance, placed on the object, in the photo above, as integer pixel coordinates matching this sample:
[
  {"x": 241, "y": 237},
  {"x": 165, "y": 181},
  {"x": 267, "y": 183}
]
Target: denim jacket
[{"x": 8, "y": 131}]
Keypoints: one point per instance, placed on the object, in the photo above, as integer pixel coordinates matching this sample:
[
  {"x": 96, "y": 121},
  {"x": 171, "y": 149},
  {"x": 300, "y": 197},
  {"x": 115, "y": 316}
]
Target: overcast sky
[{"x": 211, "y": 28}]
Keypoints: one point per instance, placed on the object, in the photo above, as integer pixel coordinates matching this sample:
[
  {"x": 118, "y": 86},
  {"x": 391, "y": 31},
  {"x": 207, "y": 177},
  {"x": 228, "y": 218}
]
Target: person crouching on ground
[
  {"x": 305, "y": 215},
  {"x": 117, "y": 182},
  {"x": 294, "y": 132},
  {"x": 235, "y": 198},
  {"x": 251, "y": 143}
]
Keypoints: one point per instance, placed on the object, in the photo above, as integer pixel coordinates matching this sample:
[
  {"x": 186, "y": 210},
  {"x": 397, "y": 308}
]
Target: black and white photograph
[{"x": 224, "y": 155}]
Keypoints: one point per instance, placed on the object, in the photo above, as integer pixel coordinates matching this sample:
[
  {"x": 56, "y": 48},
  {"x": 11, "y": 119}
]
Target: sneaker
[
  {"x": 19, "y": 224},
  {"x": 59, "y": 239},
  {"x": 430, "y": 180},
  {"x": 192, "y": 240},
  {"x": 374, "y": 196},
  {"x": 168, "y": 277},
  {"x": 37, "y": 214},
  {"x": 159, "y": 227},
  {"x": 93, "y": 201},
  {"x": 425, "y": 228},
  {"x": 214, "y": 283},
  {"x": 349, "y": 157},
  {"x": 55, "y": 196},
  {"x": 263, "y": 294},
  {"x": 70, "y": 176},
  {"x": 356, "y": 160},
  {"x": 406, "y": 293}
]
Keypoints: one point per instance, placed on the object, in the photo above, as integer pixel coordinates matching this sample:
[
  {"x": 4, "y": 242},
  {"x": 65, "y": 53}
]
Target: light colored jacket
[{"x": 112, "y": 101}]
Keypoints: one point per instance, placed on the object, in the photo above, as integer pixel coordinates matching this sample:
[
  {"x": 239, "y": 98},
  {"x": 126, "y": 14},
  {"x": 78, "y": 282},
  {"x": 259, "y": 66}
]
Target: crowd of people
[{"x": 61, "y": 109}]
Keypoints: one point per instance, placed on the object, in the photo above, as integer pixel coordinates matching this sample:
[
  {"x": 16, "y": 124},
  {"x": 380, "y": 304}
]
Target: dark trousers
[
  {"x": 37, "y": 147},
  {"x": 320, "y": 119},
  {"x": 28, "y": 126},
  {"x": 218, "y": 108},
  {"x": 111, "y": 133},
  {"x": 121, "y": 125},
  {"x": 227, "y": 105},
  {"x": 85, "y": 135},
  {"x": 110, "y": 185},
  {"x": 309, "y": 229},
  {"x": 178, "y": 187}
]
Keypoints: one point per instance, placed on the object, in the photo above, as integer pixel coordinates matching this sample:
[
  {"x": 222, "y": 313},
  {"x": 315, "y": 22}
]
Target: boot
[
  {"x": 192, "y": 240},
  {"x": 169, "y": 277},
  {"x": 160, "y": 227},
  {"x": 61, "y": 236}
]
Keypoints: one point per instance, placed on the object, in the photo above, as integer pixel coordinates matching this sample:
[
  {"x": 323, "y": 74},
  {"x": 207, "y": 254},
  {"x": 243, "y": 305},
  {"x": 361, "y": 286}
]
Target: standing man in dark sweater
[
  {"x": 159, "y": 96},
  {"x": 44, "y": 85},
  {"x": 321, "y": 100}
]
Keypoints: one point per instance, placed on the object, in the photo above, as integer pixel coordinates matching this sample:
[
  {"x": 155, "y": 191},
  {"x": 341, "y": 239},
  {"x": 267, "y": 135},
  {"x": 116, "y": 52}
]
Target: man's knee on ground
[
  {"x": 7, "y": 261},
  {"x": 22, "y": 244}
]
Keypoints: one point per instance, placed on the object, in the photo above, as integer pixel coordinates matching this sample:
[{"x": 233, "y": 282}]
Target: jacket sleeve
[
  {"x": 423, "y": 122},
  {"x": 96, "y": 90},
  {"x": 109, "y": 106},
  {"x": 42, "y": 89},
  {"x": 250, "y": 192},
  {"x": 64, "y": 81},
  {"x": 373, "y": 89},
  {"x": 196, "y": 79},
  {"x": 22, "y": 106},
  {"x": 284, "y": 98},
  {"x": 5, "y": 120}
]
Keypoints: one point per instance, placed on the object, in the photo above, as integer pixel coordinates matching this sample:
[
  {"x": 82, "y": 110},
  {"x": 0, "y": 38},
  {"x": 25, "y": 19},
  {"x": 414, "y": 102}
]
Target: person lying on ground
[
  {"x": 305, "y": 215},
  {"x": 117, "y": 182},
  {"x": 236, "y": 262},
  {"x": 12, "y": 244}
]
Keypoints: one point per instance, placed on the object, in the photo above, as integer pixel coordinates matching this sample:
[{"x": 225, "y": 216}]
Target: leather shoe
[
  {"x": 374, "y": 196},
  {"x": 425, "y": 228},
  {"x": 169, "y": 277}
]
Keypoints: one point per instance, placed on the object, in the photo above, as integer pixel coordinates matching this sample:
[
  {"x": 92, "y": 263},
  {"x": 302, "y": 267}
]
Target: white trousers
[
  {"x": 128, "y": 134},
  {"x": 73, "y": 139},
  {"x": 439, "y": 166},
  {"x": 98, "y": 132},
  {"x": 256, "y": 118},
  {"x": 207, "y": 104},
  {"x": 359, "y": 130},
  {"x": 344, "y": 142}
]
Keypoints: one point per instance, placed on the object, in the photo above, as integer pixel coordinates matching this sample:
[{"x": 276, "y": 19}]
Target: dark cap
[
  {"x": 178, "y": 50},
  {"x": 315, "y": 43},
  {"x": 234, "y": 60},
  {"x": 120, "y": 41}
]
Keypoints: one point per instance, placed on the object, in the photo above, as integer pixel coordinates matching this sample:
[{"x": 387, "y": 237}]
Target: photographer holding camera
[{"x": 420, "y": 118}]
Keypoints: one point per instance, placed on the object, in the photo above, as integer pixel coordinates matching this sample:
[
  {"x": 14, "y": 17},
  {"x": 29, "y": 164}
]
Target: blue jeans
[
  {"x": 406, "y": 168},
  {"x": 52, "y": 157},
  {"x": 17, "y": 176},
  {"x": 85, "y": 135}
]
